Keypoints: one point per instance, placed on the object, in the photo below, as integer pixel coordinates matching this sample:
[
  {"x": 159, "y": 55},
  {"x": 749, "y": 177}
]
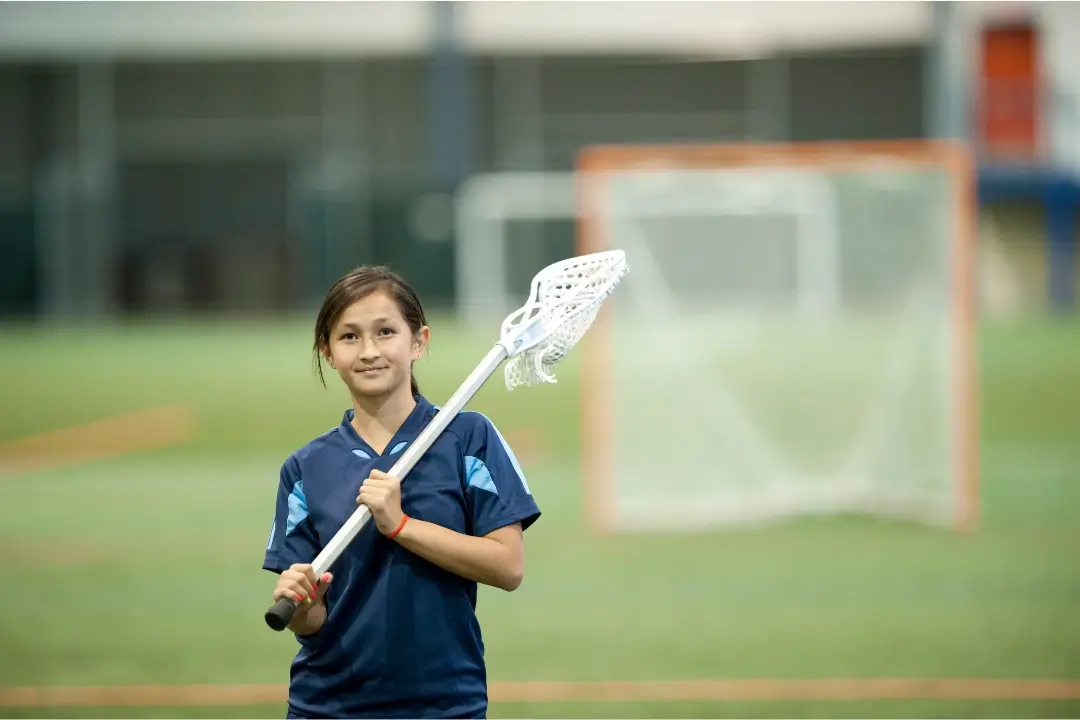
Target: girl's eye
[
  {"x": 348, "y": 336},
  {"x": 386, "y": 331}
]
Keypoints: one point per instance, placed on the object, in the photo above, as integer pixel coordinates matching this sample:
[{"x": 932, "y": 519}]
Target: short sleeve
[
  {"x": 292, "y": 536},
  {"x": 495, "y": 488}
]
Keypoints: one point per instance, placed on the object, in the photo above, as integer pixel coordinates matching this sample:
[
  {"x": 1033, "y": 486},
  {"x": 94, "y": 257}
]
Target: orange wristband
[{"x": 401, "y": 524}]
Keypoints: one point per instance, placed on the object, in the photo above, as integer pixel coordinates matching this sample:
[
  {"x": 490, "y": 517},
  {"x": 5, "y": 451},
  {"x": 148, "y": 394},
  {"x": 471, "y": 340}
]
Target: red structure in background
[
  {"x": 1009, "y": 117},
  {"x": 1017, "y": 163}
]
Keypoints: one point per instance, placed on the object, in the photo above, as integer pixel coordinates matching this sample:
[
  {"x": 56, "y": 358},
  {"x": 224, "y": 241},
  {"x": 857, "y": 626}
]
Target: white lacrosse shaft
[
  {"x": 457, "y": 402},
  {"x": 564, "y": 300},
  {"x": 280, "y": 614}
]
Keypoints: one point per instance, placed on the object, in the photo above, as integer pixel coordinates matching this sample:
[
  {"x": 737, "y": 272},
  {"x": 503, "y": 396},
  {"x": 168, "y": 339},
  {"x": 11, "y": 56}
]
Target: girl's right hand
[{"x": 299, "y": 583}]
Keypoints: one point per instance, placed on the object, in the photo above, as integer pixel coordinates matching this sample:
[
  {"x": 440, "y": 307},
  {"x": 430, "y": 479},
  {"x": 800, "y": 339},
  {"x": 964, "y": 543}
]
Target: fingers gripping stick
[{"x": 563, "y": 302}]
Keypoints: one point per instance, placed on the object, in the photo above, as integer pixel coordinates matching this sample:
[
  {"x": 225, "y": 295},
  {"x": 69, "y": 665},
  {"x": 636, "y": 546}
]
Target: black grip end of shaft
[{"x": 280, "y": 614}]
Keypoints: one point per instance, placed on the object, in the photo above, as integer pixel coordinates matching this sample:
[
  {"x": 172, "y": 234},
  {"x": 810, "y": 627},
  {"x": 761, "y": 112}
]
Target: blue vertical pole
[
  {"x": 95, "y": 116},
  {"x": 448, "y": 116},
  {"x": 946, "y": 91}
]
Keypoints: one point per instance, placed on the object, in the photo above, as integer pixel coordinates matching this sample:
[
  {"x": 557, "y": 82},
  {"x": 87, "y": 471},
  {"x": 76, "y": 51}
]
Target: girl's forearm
[
  {"x": 479, "y": 559},
  {"x": 310, "y": 621}
]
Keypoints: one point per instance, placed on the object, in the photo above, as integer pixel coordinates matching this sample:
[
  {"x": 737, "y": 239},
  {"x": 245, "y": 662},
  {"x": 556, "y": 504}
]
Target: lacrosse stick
[{"x": 563, "y": 302}]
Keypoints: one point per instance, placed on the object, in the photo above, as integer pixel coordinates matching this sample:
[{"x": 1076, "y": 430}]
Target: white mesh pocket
[{"x": 566, "y": 296}]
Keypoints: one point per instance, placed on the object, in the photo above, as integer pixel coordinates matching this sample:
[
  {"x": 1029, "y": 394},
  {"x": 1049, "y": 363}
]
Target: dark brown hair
[{"x": 355, "y": 285}]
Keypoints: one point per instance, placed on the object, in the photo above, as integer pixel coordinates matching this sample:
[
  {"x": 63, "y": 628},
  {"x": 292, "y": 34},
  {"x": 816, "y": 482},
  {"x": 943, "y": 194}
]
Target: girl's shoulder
[{"x": 471, "y": 426}]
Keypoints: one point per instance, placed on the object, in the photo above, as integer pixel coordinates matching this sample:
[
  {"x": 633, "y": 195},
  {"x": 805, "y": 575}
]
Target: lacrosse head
[{"x": 563, "y": 302}]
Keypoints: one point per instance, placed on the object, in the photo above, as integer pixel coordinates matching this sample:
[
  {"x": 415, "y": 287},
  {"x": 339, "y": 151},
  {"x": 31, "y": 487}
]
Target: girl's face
[{"x": 372, "y": 347}]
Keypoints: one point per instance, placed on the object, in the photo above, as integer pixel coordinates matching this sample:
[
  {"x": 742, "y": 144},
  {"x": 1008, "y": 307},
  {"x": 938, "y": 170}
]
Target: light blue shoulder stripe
[
  {"x": 478, "y": 476},
  {"x": 298, "y": 509},
  {"x": 507, "y": 450}
]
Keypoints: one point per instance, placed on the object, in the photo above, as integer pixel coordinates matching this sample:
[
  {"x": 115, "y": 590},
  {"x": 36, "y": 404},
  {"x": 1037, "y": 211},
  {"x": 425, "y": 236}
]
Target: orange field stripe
[
  {"x": 109, "y": 437},
  {"x": 548, "y": 692}
]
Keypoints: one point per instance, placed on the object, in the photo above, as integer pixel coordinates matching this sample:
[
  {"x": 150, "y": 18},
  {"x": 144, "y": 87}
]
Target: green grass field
[{"x": 145, "y": 569}]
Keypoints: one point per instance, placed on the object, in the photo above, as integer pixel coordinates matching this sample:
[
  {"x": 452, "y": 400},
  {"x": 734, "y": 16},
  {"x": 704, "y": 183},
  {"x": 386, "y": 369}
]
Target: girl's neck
[{"x": 377, "y": 419}]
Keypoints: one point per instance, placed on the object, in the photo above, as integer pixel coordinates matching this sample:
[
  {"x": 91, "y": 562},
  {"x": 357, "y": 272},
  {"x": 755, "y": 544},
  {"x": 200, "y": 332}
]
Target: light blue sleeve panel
[
  {"x": 292, "y": 537},
  {"x": 496, "y": 491}
]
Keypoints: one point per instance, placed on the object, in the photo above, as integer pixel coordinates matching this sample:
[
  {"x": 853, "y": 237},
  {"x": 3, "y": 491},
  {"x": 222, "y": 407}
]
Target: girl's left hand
[{"x": 382, "y": 493}]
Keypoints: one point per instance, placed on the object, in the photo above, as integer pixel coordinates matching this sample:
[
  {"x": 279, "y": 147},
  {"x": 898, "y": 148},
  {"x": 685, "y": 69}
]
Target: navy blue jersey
[{"x": 401, "y": 637}]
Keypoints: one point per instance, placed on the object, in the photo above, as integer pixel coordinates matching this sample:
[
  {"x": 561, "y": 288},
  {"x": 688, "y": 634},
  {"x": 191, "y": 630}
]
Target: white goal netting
[{"x": 784, "y": 346}]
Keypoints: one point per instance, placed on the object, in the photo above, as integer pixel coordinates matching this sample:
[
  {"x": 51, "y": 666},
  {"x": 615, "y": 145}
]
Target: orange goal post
[{"x": 796, "y": 334}]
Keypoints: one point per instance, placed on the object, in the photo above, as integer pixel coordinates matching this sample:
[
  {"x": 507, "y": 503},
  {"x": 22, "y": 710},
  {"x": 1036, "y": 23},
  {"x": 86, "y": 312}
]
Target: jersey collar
[{"x": 416, "y": 421}]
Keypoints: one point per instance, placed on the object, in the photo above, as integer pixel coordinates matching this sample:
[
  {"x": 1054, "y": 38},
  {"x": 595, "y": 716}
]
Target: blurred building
[{"x": 177, "y": 157}]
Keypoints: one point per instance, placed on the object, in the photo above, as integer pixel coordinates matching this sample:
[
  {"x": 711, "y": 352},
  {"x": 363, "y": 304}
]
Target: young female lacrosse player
[{"x": 392, "y": 631}]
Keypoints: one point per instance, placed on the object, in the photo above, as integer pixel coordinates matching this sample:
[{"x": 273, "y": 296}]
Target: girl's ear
[
  {"x": 421, "y": 339},
  {"x": 324, "y": 350}
]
